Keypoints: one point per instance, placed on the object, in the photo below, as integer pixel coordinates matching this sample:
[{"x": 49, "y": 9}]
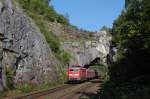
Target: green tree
[{"x": 129, "y": 76}]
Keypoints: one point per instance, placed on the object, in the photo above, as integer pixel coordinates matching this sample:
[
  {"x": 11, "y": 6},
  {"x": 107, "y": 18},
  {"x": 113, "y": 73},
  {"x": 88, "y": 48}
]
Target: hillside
[
  {"x": 60, "y": 34},
  {"x": 37, "y": 44}
]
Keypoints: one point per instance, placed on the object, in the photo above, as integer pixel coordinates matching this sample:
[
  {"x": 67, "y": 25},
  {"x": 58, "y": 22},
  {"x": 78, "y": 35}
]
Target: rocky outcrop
[
  {"x": 86, "y": 52},
  {"x": 104, "y": 47},
  {"x": 84, "y": 46},
  {"x": 25, "y": 49}
]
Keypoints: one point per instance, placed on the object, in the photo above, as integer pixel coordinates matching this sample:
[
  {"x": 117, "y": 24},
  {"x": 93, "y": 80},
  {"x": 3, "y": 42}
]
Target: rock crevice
[{"x": 25, "y": 48}]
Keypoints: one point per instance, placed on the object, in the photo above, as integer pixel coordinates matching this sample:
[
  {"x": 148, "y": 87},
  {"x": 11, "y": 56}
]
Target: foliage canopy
[{"x": 130, "y": 75}]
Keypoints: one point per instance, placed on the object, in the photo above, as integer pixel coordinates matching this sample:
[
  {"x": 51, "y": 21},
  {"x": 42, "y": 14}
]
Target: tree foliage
[
  {"x": 42, "y": 7},
  {"x": 105, "y": 28},
  {"x": 132, "y": 28},
  {"x": 131, "y": 35},
  {"x": 131, "y": 31}
]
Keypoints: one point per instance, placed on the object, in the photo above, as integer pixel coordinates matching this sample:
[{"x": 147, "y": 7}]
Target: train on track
[{"x": 79, "y": 73}]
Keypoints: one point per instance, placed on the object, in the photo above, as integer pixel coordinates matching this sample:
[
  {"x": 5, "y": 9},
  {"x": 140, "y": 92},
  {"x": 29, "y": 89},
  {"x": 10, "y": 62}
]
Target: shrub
[
  {"x": 42, "y": 7},
  {"x": 9, "y": 77},
  {"x": 2, "y": 94},
  {"x": 101, "y": 69},
  {"x": 64, "y": 56},
  {"x": 25, "y": 88}
]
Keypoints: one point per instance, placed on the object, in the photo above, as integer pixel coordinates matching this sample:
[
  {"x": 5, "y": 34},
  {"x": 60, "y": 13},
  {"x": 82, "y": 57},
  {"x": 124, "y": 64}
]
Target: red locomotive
[{"x": 78, "y": 73}]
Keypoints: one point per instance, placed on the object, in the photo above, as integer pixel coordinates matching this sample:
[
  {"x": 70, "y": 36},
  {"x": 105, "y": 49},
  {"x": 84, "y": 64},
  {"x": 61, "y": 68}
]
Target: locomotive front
[{"x": 76, "y": 73}]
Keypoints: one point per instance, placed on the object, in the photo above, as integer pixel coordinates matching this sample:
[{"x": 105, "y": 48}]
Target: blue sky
[{"x": 89, "y": 14}]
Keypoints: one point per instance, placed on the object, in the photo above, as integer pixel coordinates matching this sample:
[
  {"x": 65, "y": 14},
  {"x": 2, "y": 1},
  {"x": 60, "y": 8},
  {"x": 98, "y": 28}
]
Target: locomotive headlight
[
  {"x": 73, "y": 74},
  {"x": 76, "y": 74}
]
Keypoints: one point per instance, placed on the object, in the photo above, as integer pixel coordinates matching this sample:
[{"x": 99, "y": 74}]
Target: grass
[{"x": 26, "y": 88}]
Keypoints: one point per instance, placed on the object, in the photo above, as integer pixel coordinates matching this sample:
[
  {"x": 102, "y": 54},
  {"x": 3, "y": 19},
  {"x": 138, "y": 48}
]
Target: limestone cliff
[
  {"x": 85, "y": 47},
  {"x": 25, "y": 49}
]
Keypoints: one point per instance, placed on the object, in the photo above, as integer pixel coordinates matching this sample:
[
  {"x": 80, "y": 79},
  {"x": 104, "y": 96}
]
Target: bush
[
  {"x": 25, "y": 88},
  {"x": 62, "y": 19},
  {"x": 42, "y": 7},
  {"x": 64, "y": 56},
  {"x": 2, "y": 94},
  {"x": 9, "y": 77},
  {"x": 130, "y": 75},
  {"x": 101, "y": 69},
  {"x": 126, "y": 90}
]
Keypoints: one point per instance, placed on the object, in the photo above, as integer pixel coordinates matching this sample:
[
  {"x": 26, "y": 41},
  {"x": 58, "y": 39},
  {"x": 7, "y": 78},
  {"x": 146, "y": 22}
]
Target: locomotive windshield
[{"x": 74, "y": 69}]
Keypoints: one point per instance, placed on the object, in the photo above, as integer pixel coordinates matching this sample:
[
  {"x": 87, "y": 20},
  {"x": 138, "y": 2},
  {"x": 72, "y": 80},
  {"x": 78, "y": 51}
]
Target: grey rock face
[
  {"x": 25, "y": 49},
  {"x": 84, "y": 51},
  {"x": 104, "y": 47}
]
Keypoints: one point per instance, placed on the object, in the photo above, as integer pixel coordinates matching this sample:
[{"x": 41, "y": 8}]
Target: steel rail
[{"x": 41, "y": 93}]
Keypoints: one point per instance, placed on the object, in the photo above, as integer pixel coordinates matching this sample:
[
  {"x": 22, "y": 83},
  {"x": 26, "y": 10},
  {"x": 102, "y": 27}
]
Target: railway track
[
  {"x": 73, "y": 92},
  {"x": 40, "y": 93},
  {"x": 69, "y": 91},
  {"x": 76, "y": 93}
]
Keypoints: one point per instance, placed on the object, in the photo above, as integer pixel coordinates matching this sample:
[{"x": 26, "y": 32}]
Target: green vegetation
[
  {"x": 126, "y": 90},
  {"x": 2, "y": 94},
  {"x": 64, "y": 56},
  {"x": 26, "y": 88},
  {"x": 9, "y": 72},
  {"x": 105, "y": 28},
  {"x": 42, "y": 7},
  {"x": 130, "y": 75},
  {"x": 101, "y": 69},
  {"x": 42, "y": 13}
]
